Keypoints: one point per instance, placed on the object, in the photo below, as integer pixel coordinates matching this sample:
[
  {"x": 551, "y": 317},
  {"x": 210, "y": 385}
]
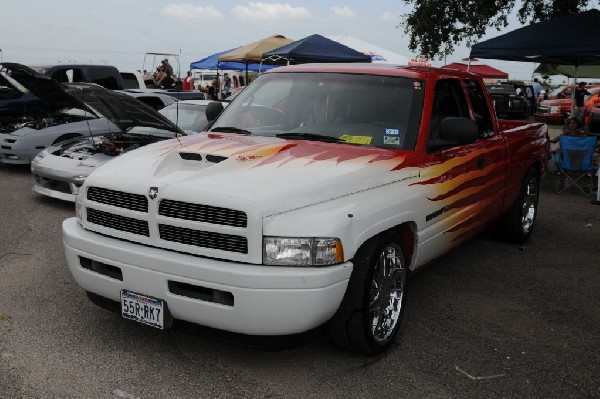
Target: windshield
[
  {"x": 189, "y": 117},
  {"x": 371, "y": 110}
]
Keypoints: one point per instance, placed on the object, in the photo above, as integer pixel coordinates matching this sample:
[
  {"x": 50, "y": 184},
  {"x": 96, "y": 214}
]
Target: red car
[{"x": 555, "y": 111}]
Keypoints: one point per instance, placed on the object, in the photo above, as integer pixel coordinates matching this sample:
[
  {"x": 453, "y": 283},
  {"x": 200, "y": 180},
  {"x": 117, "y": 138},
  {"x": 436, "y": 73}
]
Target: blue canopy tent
[
  {"x": 212, "y": 63},
  {"x": 315, "y": 48}
]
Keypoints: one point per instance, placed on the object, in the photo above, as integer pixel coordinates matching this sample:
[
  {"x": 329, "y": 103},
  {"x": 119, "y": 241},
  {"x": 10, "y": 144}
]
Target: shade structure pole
[
  {"x": 573, "y": 91},
  {"x": 469, "y": 65}
]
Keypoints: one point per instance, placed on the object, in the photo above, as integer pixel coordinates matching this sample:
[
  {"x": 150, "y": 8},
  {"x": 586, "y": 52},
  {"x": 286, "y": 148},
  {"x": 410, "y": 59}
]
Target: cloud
[
  {"x": 390, "y": 17},
  {"x": 342, "y": 12},
  {"x": 256, "y": 10},
  {"x": 190, "y": 12}
]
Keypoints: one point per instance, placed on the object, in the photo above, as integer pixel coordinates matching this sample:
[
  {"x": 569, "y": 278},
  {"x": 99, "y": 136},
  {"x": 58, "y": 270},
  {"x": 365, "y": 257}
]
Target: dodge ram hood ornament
[{"x": 153, "y": 192}]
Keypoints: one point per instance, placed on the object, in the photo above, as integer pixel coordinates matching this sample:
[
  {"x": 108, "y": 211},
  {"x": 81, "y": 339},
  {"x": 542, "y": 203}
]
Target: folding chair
[{"x": 574, "y": 163}]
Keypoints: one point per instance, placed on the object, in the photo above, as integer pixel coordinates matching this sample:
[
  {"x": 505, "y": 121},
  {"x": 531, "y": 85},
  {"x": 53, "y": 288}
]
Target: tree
[{"x": 435, "y": 26}]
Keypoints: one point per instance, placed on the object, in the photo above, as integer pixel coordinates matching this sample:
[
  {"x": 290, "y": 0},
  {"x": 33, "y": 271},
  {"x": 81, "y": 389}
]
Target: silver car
[
  {"x": 36, "y": 133},
  {"x": 59, "y": 170}
]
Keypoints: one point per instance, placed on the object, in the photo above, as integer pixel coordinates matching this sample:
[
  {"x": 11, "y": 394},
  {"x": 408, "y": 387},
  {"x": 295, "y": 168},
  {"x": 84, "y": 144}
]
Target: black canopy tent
[
  {"x": 315, "y": 48},
  {"x": 572, "y": 40},
  {"x": 568, "y": 40}
]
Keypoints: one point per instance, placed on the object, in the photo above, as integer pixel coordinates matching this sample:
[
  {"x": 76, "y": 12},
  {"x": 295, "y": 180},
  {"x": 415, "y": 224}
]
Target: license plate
[{"x": 143, "y": 309}]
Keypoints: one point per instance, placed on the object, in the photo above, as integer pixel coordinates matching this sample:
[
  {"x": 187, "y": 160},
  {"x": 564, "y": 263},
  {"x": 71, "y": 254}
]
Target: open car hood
[
  {"x": 49, "y": 91},
  {"x": 121, "y": 109}
]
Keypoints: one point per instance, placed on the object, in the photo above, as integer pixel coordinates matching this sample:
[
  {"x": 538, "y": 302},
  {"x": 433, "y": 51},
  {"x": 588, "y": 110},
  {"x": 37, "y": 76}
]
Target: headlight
[
  {"x": 284, "y": 251},
  {"x": 79, "y": 207},
  {"x": 555, "y": 110},
  {"x": 40, "y": 155}
]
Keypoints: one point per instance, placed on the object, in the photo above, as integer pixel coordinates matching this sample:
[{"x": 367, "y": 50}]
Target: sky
[{"x": 120, "y": 32}]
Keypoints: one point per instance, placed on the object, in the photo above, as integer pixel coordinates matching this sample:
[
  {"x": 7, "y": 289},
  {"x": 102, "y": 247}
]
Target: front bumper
[
  {"x": 53, "y": 176},
  {"x": 267, "y": 300},
  {"x": 12, "y": 152}
]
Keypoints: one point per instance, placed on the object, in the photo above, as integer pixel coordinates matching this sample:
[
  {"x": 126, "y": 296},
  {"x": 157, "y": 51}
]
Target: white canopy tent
[{"x": 378, "y": 54}]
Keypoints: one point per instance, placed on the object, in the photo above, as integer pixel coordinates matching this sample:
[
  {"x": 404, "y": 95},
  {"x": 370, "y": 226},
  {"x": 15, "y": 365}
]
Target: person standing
[
  {"x": 188, "y": 83},
  {"x": 226, "y": 85},
  {"x": 580, "y": 93},
  {"x": 537, "y": 87}
]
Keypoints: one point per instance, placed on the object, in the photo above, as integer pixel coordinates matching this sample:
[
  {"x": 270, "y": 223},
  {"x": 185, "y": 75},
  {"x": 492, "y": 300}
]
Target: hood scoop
[{"x": 194, "y": 156}]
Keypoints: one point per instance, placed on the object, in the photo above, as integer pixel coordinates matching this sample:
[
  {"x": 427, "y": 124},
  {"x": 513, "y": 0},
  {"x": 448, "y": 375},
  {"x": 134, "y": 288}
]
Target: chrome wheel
[
  {"x": 386, "y": 294},
  {"x": 529, "y": 206}
]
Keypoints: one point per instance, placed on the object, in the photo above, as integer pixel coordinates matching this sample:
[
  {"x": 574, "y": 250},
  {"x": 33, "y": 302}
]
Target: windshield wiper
[
  {"x": 310, "y": 136},
  {"x": 230, "y": 129}
]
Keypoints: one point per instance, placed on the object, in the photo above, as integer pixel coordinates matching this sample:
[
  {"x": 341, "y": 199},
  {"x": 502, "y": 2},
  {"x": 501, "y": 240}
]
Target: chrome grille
[
  {"x": 134, "y": 202},
  {"x": 202, "y": 213},
  {"x": 204, "y": 239},
  {"x": 117, "y": 222}
]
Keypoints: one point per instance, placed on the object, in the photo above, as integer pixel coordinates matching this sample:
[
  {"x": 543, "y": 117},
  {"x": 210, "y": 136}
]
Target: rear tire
[
  {"x": 370, "y": 314},
  {"x": 517, "y": 224}
]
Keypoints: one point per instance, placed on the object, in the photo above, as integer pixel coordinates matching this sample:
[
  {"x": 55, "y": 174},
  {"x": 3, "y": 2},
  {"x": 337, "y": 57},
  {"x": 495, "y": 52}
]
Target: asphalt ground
[{"x": 488, "y": 320}]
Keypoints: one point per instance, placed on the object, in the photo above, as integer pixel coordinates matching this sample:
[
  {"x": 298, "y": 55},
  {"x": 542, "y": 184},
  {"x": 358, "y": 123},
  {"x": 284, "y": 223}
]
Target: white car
[{"x": 59, "y": 170}]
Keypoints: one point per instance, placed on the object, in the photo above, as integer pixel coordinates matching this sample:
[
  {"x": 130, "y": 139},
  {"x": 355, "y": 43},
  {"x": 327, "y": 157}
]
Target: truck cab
[{"x": 107, "y": 76}]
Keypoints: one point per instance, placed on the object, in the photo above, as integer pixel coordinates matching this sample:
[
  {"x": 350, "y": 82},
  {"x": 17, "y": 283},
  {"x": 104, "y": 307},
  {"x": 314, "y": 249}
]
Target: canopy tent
[
  {"x": 253, "y": 52},
  {"x": 315, "y": 48},
  {"x": 584, "y": 71},
  {"x": 569, "y": 40},
  {"x": 473, "y": 65},
  {"x": 377, "y": 54},
  {"x": 212, "y": 63}
]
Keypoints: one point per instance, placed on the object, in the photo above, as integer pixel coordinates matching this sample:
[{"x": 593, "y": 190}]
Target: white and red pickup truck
[{"x": 310, "y": 199}]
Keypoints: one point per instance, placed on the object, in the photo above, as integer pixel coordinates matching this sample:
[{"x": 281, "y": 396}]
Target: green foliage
[{"x": 436, "y": 26}]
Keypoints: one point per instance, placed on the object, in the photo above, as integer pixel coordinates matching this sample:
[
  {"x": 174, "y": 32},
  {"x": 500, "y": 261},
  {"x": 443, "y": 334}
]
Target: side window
[
  {"x": 449, "y": 100},
  {"x": 480, "y": 108},
  {"x": 104, "y": 77}
]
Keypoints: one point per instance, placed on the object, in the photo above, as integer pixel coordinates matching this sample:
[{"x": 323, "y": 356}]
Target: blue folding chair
[{"x": 574, "y": 163}]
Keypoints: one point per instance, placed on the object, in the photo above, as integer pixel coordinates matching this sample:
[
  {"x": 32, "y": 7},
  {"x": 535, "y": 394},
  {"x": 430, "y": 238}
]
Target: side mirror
[
  {"x": 213, "y": 110},
  {"x": 459, "y": 130}
]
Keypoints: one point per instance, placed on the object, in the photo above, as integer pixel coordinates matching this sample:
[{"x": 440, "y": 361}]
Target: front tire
[{"x": 371, "y": 312}]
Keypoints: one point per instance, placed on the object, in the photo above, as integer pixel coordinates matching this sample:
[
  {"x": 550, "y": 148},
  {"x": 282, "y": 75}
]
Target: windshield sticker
[
  {"x": 356, "y": 139},
  {"x": 392, "y": 132},
  {"x": 392, "y": 140}
]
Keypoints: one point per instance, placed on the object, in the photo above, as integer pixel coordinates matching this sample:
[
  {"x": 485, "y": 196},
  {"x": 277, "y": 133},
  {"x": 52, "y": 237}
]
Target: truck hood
[{"x": 278, "y": 175}]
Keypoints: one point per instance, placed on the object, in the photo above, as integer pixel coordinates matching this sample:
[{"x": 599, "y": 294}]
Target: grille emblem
[{"x": 153, "y": 192}]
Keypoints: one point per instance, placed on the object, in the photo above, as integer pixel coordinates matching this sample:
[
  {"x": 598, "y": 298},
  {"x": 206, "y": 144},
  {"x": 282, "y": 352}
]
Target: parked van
[{"x": 107, "y": 76}]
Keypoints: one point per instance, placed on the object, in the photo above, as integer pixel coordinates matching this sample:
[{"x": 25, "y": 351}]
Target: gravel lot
[{"x": 488, "y": 320}]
